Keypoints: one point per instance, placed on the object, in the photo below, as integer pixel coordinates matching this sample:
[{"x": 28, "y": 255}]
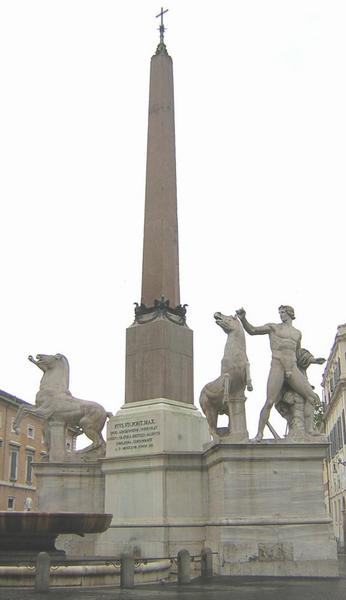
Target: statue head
[{"x": 289, "y": 310}]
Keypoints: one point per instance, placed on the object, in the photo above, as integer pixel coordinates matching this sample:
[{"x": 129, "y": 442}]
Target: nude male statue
[{"x": 285, "y": 341}]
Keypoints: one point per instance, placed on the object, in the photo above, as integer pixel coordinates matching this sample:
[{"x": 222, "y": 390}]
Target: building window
[
  {"x": 12, "y": 422},
  {"x": 31, "y": 432},
  {"x": 10, "y": 503},
  {"x": 29, "y": 461},
  {"x": 1, "y": 419},
  {"x": 336, "y": 375},
  {"x": 13, "y": 464},
  {"x": 340, "y": 440},
  {"x": 68, "y": 446}
]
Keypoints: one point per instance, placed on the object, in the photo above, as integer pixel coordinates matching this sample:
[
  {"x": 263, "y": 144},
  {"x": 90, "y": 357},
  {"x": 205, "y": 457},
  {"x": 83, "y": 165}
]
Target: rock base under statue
[{"x": 266, "y": 513}]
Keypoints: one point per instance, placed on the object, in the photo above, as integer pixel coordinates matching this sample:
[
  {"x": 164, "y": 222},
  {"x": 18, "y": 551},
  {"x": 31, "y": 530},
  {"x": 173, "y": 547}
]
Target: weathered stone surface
[
  {"x": 159, "y": 362},
  {"x": 160, "y": 276},
  {"x": 266, "y": 512},
  {"x": 42, "y": 572},
  {"x": 155, "y": 482},
  {"x": 272, "y": 552},
  {"x": 158, "y": 502},
  {"x": 153, "y": 426},
  {"x": 78, "y": 487}
]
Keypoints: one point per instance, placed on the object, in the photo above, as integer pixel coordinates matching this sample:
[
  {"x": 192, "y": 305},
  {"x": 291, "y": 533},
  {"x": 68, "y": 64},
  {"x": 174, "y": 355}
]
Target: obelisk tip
[{"x": 161, "y": 48}]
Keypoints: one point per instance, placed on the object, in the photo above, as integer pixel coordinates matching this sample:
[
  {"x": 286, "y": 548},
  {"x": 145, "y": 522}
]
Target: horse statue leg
[
  {"x": 209, "y": 409},
  {"x": 21, "y": 412},
  {"x": 91, "y": 425},
  {"x": 249, "y": 386}
]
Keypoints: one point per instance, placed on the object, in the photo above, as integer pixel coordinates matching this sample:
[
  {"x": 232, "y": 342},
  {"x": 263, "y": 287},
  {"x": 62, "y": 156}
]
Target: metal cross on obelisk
[{"x": 162, "y": 46}]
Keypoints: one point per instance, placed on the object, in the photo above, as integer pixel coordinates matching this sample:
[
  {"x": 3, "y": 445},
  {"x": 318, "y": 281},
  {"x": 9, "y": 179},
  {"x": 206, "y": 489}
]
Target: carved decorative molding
[{"x": 160, "y": 310}]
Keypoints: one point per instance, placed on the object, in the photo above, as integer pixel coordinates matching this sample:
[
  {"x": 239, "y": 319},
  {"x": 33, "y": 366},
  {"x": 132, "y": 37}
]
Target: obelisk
[
  {"x": 154, "y": 442},
  {"x": 160, "y": 275},
  {"x": 159, "y": 345}
]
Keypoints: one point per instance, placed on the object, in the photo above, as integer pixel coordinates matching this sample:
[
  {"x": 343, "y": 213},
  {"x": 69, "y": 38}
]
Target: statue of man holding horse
[{"x": 285, "y": 343}]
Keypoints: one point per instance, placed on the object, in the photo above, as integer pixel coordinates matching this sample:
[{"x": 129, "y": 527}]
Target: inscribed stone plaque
[{"x": 135, "y": 435}]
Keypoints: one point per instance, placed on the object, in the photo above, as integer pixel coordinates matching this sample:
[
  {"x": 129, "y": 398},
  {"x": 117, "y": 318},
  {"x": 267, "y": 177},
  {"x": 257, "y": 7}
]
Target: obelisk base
[
  {"x": 154, "y": 479},
  {"x": 159, "y": 362},
  {"x": 152, "y": 426}
]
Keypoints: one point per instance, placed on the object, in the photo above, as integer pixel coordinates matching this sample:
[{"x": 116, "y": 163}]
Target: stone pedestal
[
  {"x": 154, "y": 479},
  {"x": 154, "y": 426},
  {"x": 70, "y": 487},
  {"x": 266, "y": 512},
  {"x": 73, "y": 488},
  {"x": 57, "y": 450}
]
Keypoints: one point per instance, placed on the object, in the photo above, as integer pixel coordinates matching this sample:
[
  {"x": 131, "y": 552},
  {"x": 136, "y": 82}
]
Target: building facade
[
  {"x": 18, "y": 452},
  {"x": 334, "y": 398}
]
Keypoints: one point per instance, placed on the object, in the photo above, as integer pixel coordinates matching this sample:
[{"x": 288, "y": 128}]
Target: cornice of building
[
  {"x": 340, "y": 386},
  {"x": 340, "y": 336},
  {"x": 15, "y": 486},
  {"x": 10, "y": 399}
]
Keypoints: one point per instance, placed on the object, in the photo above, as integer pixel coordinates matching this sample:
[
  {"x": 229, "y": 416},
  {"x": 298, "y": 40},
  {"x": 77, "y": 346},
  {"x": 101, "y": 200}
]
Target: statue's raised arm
[{"x": 251, "y": 329}]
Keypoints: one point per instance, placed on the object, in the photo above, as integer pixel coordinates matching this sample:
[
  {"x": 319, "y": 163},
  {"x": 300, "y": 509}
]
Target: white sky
[{"x": 260, "y": 99}]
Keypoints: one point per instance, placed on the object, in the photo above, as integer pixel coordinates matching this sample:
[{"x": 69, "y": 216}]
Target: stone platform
[
  {"x": 258, "y": 506},
  {"x": 266, "y": 512}
]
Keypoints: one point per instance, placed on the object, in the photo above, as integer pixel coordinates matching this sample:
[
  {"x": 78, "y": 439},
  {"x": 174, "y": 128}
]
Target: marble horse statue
[
  {"x": 225, "y": 395},
  {"x": 55, "y": 403}
]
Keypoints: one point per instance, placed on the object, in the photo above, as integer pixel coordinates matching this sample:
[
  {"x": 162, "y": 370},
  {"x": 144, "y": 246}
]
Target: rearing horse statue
[
  {"x": 54, "y": 402},
  {"x": 225, "y": 395}
]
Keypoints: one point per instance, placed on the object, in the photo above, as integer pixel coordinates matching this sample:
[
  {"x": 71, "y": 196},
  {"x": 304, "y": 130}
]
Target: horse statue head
[
  {"x": 228, "y": 323},
  {"x": 48, "y": 361}
]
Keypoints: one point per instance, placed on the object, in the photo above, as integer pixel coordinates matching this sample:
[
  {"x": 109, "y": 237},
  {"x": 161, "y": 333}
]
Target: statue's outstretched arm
[{"x": 252, "y": 329}]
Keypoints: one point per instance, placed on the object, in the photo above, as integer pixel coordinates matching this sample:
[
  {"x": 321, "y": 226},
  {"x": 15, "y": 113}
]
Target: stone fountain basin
[{"x": 37, "y": 531}]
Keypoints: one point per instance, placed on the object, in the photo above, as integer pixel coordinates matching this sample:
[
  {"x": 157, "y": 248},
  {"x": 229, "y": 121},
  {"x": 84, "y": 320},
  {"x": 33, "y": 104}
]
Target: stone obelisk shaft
[
  {"x": 159, "y": 345},
  {"x": 160, "y": 275}
]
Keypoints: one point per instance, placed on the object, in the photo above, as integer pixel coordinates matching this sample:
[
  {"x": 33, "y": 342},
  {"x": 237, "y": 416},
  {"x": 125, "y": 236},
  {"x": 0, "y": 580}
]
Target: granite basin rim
[{"x": 30, "y": 523}]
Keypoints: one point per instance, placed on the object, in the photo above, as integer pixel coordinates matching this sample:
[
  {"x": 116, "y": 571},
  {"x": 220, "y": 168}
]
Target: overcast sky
[{"x": 260, "y": 99}]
